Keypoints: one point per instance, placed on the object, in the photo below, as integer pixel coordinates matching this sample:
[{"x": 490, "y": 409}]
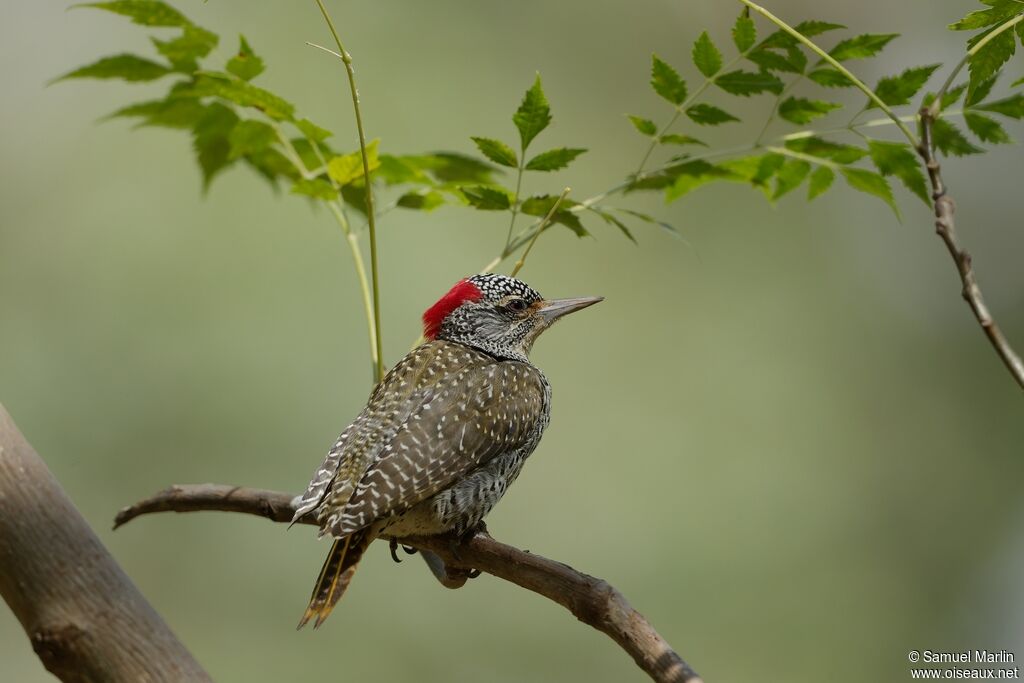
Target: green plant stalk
[
  {"x": 837, "y": 66},
  {"x": 515, "y": 200},
  {"x": 346, "y": 59},
  {"x": 687, "y": 103},
  {"x": 350, "y": 237},
  {"x": 810, "y": 158},
  {"x": 936, "y": 105},
  {"x": 364, "y": 285},
  {"x": 540, "y": 228}
]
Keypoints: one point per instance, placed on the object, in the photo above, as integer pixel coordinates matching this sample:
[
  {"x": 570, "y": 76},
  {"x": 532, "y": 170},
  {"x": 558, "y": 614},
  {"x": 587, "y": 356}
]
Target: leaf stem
[
  {"x": 775, "y": 108},
  {"x": 515, "y": 200},
  {"x": 540, "y": 228},
  {"x": 936, "y": 105},
  {"x": 793, "y": 154},
  {"x": 346, "y": 59},
  {"x": 837, "y": 66}
]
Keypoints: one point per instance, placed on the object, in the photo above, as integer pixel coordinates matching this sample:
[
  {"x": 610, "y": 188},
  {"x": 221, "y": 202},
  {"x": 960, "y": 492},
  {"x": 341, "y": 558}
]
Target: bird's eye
[{"x": 516, "y": 305}]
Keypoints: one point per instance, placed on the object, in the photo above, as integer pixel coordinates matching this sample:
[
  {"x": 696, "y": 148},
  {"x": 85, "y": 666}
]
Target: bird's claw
[{"x": 393, "y": 547}]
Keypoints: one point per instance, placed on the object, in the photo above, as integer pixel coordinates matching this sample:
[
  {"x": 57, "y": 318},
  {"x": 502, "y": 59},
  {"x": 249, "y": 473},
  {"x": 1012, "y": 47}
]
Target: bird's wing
[
  {"x": 356, "y": 448},
  {"x": 472, "y": 415}
]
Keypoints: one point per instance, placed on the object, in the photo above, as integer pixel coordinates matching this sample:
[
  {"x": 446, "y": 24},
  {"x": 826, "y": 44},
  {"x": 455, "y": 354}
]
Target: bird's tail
[{"x": 336, "y": 574}]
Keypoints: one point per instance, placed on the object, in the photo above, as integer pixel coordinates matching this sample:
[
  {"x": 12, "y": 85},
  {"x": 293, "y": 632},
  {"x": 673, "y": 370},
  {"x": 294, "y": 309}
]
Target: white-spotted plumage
[{"x": 442, "y": 436}]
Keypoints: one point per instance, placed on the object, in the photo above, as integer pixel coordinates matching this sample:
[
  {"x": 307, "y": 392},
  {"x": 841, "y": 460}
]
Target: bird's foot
[{"x": 408, "y": 550}]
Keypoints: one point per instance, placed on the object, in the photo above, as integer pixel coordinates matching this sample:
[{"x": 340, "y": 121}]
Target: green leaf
[
  {"x": 541, "y": 205},
  {"x": 210, "y": 141},
  {"x": 862, "y": 46},
  {"x": 307, "y": 154},
  {"x": 497, "y": 151},
  {"x": 212, "y": 84},
  {"x": 676, "y": 139},
  {"x": 744, "y": 33},
  {"x": 986, "y": 128},
  {"x": 833, "y": 151},
  {"x": 422, "y": 200},
  {"x": 182, "y": 52},
  {"x": 949, "y": 98},
  {"x": 394, "y": 170},
  {"x": 451, "y": 169},
  {"x": 650, "y": 219},
  {"x": 125, "y": 66},
  {"x": 807, "y": 28},
  {"x": 312, "y": 131},
  {"x": 612, "y": 220},
  {"x": 554, "y": 159},
  {"x": 980, "y": 92},
  {"x": 143, "y": 12},
  {"x": 987, "y": 62},
  {"x": 821, "y": 180},
  {"x": 1019, "y": 81},
  {"x": 245, "y": 64},
  {"x": 899, "y": 89},
  {"x": 871, "y": 183},
  {"x": 182, "y": 113},
  {"x": 706, "y": 56},
  {"x": 790, "y": 176},
  {"x": 1012, "y": 106},
  {"x": 486, "y": 198},
  {"x": 272, "y": 165},
  {"x": 949, "y": 140},
  {"x": 347, "y": 168},
  {"x": 645, "y": 126},
  {"x": 709, "y": 115},
  {"x": 828, "y": 77},
  {"x": 250, "y": 136},
  {"x": 318, "y": 188},
  {"x": 898, "y": 159},
  {"x": 756, "y": 170},
  {"x": 1000, "y": 11},
  {"x": 533, "y": 115},
  {"x": 666, "y": 82},
  {"x": 794, "y": 61},
  {"x": 802, "y": 111},
  {"x": 746, "y": 83}
]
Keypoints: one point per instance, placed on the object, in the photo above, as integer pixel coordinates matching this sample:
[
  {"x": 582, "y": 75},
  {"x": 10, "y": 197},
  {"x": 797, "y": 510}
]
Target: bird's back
[{"x": 443, "y": 410}]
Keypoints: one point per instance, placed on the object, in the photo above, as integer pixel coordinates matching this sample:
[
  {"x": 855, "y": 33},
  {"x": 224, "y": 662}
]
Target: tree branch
[
  {"x": 945, "y": 226},
  {"x": 591, "y": 600},
  {"x": 85, "y": 619}
]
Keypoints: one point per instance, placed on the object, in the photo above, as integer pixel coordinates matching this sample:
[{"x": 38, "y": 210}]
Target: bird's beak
[{"x": 554, "y": 309}]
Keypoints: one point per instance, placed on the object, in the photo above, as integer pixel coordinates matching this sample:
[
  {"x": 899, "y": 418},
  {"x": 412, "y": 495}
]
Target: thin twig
[
  {"x": 346, "y": 59},
  {"x": 540, "y": 228},
  {"x": 945, "y": 226},
  {"x": 592, "y": 600}
]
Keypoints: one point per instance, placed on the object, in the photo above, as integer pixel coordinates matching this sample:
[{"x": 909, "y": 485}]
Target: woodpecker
[{"x": 443, "y": 435}]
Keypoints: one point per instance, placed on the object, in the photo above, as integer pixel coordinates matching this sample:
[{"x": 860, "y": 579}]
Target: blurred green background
[{"x": 787, "y": 442}]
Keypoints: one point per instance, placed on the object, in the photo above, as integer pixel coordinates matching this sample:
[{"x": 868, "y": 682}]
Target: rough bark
[{"x": 86, "y": 620}]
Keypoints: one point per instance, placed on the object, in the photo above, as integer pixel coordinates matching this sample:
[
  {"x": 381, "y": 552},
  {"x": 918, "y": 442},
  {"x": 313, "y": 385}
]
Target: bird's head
[{"x": 497, "y": 314}]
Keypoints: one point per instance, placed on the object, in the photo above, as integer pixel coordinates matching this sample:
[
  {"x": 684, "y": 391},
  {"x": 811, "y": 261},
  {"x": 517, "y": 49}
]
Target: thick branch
[
  {"x": 593, "y": 601},
  {"x": 85, "y": 618},
  {"x": 945, "y": 226}
]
